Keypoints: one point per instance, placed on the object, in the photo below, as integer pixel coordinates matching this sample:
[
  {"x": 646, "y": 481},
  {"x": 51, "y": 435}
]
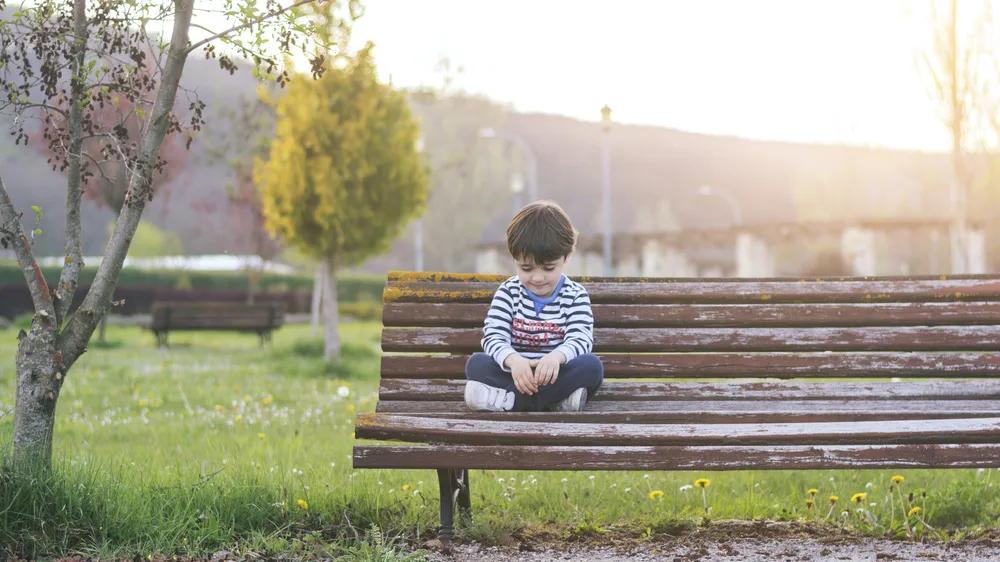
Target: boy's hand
[
  {"x": 546, "y": 369},
  {"x": 520, "y": 370}
]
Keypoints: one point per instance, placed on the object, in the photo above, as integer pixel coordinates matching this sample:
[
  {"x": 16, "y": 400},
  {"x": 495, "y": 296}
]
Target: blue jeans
[{"x": 583, "y": 371}]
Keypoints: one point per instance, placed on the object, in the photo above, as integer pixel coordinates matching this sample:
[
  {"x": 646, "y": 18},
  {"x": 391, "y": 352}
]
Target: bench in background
[{"x": 261, "y": 319}]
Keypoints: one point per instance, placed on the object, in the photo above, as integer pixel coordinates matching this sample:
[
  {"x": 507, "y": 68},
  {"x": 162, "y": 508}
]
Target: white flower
[
  {"x": 565, "y": 480},
  {"x": 627, "y": 490},
  {"x": 591, "y": 477},
  {"x": 343, "y": 391},
  {"x": 869, "y": 485},
  {"x": 645, "y": 476},
  {"x": 685, "y": 487}
]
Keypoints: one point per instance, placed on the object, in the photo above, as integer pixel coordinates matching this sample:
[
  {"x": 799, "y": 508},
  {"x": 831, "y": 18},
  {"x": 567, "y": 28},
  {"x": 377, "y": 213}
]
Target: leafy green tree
[
  {"x": 343, "y": 175},
  {"x": 152, "y": 242}
]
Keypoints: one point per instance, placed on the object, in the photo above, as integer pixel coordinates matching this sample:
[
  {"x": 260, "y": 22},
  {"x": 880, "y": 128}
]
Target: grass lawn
[{"x": 216, "y": 443}]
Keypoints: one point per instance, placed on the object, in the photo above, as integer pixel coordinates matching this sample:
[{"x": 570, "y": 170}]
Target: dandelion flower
[
  {"x": 702, "y": 482},
  {"x": 812, "y": 491},
  {"x": 859, "y": 497},
  {"x": 302, "y": 503},
  {"x": 809, "y": 504},
  {"x": 833, "y": 499},
  {"x": 915, "y": 510},
  {"x": 897, "y": 479},
  {"x": 655, "y": 494},
  {"x": 261, "y": 436},
  {"x": 267, "y": 400},
  {"x": 405, "y": 487}
]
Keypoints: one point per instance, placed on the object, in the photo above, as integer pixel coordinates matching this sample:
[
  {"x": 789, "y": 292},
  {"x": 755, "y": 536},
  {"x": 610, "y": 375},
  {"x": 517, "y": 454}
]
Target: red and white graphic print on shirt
[{"x": 532, "y": 335}]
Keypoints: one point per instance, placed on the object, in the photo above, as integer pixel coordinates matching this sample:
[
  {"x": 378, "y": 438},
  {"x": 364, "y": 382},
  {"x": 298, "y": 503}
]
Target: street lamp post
[
  {"x": 418, "y": 228},
  {"x": 530, "y": 162},
  {"x": 606, "y": 187}
]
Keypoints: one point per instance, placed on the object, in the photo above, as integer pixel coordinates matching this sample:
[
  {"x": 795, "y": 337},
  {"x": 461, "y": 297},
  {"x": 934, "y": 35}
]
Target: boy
[{"x": 538, "y": 332}]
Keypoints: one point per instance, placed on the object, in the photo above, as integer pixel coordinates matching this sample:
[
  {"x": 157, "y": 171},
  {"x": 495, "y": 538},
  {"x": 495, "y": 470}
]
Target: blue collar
[{"x": 542, "y": 302}]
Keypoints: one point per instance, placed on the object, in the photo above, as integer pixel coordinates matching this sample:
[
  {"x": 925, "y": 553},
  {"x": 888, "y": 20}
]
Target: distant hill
[{"x": 656, "y": 173}]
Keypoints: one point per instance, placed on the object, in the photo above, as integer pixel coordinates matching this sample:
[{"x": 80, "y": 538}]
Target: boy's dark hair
[{"x": 541, "y": 231}]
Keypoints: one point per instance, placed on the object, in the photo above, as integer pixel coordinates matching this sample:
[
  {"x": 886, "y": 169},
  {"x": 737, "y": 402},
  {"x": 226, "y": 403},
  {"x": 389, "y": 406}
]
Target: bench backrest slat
[
  {"x": 415, "y": 289},
  {"x": 724, "y": 365},
  {"x": 459, "y": 315}
]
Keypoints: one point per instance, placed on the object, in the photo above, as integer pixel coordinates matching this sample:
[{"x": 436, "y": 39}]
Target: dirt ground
[{"x": 730, "y": 542}]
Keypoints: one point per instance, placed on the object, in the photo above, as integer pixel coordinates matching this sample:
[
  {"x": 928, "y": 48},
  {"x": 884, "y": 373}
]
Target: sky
[{"x": 843, "y": 71}]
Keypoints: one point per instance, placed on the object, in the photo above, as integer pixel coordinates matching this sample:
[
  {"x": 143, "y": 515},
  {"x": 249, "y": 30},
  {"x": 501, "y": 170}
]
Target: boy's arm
[
  {"x": 497, "y": 328},
  {"x": 579, "y": 338}
]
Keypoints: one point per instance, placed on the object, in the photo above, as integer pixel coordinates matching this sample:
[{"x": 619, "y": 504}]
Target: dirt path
[{"x": 733, "y": 542}]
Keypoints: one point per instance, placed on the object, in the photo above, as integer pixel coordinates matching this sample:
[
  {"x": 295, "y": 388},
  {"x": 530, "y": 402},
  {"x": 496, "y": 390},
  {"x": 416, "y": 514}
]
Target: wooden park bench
[
  {"x": 260, "y": 318},
  {"x": 706, "y": 374}
]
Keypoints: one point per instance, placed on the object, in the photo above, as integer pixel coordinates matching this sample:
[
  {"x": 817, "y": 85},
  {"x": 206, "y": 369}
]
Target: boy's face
[{"x": 540, "y": 278}]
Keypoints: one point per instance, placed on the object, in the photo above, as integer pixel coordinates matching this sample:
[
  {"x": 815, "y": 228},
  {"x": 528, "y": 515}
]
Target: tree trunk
[
  {"x": 253, "y": 283},
  {"x": 331, "y": 346},
  {"x": 40, "y": 374},
  {"x": 317, "y": 298}
]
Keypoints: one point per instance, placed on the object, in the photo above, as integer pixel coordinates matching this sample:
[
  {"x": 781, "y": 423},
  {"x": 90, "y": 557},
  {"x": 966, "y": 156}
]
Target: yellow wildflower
[
  {"x": 302, "y": 503},
  {"x": 405, "y": 487},
  {"x": 897, "y": 479},
  {"x": 267, "y": 400},
  {"x": 859, "y": 497},
  {"x": 833, "y": 499},
  {"x": 809, "y": 504},
  {"x": 239, "y": 418},
  {"x": 655, "y": 494},
  {"x": 914, "y": 511},
  {"x": 812, "y": 491},
  {"x": 261, "y": 436},
  {"x": 702, "y": 482}
]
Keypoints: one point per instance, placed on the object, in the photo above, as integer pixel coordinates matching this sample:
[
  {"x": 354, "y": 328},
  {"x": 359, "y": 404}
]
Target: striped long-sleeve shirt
[{"x": 519, "y": 321}]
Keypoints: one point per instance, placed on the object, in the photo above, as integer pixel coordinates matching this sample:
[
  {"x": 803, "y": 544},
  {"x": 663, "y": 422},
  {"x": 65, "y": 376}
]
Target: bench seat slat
[
  {"x": 664, "y": 291},
  {"x": 710, "y": 416},
  {"x": 452, "y": 390},
  {"x": 677, "y": 457},
  {"x": 452, "y": 315},
  {"x": 716, "y": 365},
  {"x": 469, "y": 432},
  {"x": 913, "y": 338},
  {"x": 763, "y": 410}
]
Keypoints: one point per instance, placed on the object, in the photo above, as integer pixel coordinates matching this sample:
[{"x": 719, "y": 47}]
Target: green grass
[{"x": 210, "y": 445}]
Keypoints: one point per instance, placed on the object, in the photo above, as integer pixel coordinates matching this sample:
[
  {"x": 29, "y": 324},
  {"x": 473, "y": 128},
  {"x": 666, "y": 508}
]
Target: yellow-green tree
[{"x": 344, "y": 175}]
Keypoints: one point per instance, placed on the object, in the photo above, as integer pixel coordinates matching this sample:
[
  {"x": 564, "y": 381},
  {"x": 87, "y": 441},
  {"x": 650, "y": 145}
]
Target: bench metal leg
[
  {"x": 454, "y": 487},
  {"x": 464, "y": 495}
]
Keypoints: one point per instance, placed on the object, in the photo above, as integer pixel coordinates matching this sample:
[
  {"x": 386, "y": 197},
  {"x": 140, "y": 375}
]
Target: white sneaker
[
  {"x": 572, "y": 403},
  {"x": 479, "y": 396}
]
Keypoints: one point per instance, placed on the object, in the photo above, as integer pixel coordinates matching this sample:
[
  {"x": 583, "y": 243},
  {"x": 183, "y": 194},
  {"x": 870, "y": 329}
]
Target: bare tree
[
  {"x": 69, "y": 58},
  {"x": 957, "y": 68},
  {"x": 246, "y": 137}
]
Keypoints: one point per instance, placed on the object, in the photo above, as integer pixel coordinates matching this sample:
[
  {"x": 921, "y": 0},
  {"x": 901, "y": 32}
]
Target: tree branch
[
  {"x": 74, "y": 337},
  {"x": 12, "y": 231},
  {"x": 73, "y": 262},
  {"x": 246, "y": 24}
]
